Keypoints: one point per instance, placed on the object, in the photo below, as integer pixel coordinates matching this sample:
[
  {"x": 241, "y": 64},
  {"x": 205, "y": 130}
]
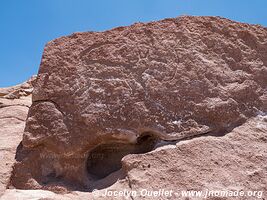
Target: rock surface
[
  {"x": 236, "y": 162},
  {"x": 100, "y": 96},
  {"x": 14, "y": 105}
]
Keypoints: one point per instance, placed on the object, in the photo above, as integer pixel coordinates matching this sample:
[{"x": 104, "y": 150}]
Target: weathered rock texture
[
  {"x": 102, "y": 95},
  {"x": 235, "y": 162},
  {"x": 14, "y": 105}
]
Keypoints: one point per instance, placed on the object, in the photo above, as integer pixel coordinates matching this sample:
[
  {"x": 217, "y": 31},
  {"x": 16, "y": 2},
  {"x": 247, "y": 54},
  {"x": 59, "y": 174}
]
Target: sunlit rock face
[
  {"x": 14, "y": 105},
  {"x": 130, "y": 88}
]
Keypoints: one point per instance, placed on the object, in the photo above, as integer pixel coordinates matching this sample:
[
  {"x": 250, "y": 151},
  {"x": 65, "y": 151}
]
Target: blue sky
[{"x": 26, "y": 26}]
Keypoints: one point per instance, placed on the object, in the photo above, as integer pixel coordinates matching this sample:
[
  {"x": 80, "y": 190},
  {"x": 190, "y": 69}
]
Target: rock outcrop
[
  {"x": 100, "y": 96},
  {"x": 14, "y": 105},
  {"x": 235, "y": 162}
]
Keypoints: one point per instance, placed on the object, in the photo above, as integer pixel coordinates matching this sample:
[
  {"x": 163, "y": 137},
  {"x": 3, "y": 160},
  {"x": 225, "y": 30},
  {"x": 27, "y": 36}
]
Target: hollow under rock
[{"x": 106, "y": 158}]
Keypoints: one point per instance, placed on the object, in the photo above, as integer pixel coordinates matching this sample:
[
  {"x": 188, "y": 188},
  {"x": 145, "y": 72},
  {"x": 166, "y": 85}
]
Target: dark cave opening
[{"x": 106, "y": 158}]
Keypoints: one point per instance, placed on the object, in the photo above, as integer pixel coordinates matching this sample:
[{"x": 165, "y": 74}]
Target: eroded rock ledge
[
  {"x": 14, "y": 105},
  {"x": 130, "y": 87}
]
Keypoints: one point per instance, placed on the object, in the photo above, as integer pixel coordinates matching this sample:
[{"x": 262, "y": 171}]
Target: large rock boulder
[{"x": 102, "y": 95}]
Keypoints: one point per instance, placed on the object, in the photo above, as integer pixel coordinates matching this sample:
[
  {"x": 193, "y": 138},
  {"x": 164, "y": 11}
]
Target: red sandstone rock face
[{"x": 131, "y": 87}]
